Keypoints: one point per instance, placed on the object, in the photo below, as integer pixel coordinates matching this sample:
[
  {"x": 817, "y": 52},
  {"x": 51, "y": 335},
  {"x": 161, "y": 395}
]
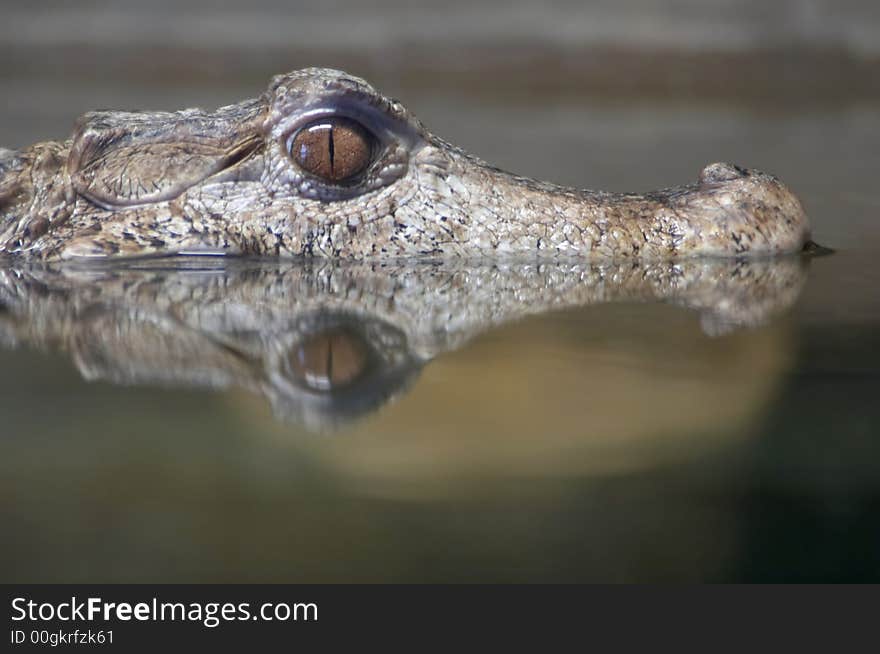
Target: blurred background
[
  {"x": 773, "y": 49},
  {"x": 615, "y": 443}
]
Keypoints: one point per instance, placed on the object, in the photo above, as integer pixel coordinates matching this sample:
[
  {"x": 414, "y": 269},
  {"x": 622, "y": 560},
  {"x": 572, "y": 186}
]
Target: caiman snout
[{"x": 747, "y": 210}]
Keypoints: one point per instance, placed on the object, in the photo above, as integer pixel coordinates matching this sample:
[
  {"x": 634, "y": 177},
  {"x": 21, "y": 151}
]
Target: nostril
[{"x": 722, "y": 172}]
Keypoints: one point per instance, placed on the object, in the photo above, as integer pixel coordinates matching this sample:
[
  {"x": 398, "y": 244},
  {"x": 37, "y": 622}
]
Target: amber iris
[
  {"x": 334, "y": 149},
  {"x": 329, "y": 360}
]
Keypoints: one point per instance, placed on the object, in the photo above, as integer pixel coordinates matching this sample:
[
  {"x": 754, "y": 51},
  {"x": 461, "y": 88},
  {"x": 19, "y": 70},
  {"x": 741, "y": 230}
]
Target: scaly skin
[
  {"x": 132, "y": 184},
  {"x": 245, "y": 323}
]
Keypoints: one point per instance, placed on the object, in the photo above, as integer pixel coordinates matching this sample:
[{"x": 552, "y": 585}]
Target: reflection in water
[{"x": 328, "y": 342}]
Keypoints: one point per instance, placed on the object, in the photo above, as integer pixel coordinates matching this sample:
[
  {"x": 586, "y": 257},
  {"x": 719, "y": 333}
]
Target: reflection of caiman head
[{"x": 329, "y": 342}]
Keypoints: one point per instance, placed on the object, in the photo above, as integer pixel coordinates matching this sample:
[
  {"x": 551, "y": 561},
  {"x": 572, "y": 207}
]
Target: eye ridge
[{"x": 334, "y": 149}]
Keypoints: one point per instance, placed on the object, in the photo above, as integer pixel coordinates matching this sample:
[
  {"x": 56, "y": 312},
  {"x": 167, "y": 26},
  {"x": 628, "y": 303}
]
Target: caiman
[{"x": 323, "y": 165}]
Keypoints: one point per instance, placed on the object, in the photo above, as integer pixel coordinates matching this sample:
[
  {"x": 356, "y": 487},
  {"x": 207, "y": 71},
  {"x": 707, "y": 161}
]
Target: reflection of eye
[
  {"x": 329, "y": 360},
  {"x": 334, "y": 149}
]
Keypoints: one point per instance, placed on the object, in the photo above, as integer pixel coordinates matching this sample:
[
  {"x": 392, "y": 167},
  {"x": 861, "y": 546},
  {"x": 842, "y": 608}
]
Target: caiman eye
[
  {"x": 330, "y": 360},
  {"x": 334, "y": 149}
]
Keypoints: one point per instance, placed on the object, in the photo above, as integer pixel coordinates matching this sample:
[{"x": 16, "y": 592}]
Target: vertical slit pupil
[
  {"x": 330, "y": 359},
  {"x": 330, "y": 148},
  {"x": 335, "y": 149},
  {"x": 329, "y": 363}
]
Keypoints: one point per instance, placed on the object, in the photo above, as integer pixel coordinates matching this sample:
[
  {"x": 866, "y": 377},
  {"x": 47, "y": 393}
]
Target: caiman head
[{"x": 324, "y": 165}]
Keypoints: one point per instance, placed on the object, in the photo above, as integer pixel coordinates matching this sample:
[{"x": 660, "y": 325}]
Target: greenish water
[{"x": 239, "y": 421}]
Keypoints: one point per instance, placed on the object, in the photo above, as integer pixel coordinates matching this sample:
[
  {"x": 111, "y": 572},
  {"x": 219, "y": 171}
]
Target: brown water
[{"x": 633, "y": 439}]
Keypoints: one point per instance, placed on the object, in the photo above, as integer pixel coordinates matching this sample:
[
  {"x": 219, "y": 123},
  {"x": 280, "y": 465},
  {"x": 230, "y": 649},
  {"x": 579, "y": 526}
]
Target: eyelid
[
  {"x": 397, "y": 140},
  {"x": 387, "y": 130}
]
